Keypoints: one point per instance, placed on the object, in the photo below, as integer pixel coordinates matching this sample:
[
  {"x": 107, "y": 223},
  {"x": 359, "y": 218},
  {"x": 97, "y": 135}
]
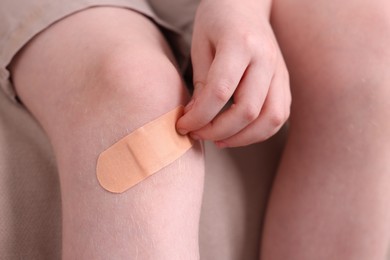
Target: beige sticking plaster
[{"x": 142, "y": 153}]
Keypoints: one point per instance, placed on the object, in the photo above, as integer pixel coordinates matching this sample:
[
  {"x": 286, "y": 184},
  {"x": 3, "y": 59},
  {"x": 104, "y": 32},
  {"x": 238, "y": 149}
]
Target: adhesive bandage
[{"x": 142, "y": 153}]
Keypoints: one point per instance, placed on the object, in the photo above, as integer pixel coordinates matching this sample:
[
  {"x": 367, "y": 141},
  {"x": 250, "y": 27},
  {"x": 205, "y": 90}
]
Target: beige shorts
[{"x": 21, "y": 20}]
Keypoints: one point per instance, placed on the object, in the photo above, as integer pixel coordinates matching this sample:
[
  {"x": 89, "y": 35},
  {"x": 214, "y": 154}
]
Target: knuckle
[
  {"x": 270, "y": 51},
  {"x": 222, "y": 92},
  {"x": 250, "y": 41},
  {"x": 250, "y": 112},
  {"x": 277, "y": 118}
]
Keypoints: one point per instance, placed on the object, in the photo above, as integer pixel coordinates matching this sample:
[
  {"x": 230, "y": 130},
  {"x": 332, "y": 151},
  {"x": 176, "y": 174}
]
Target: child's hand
[{"x": 234, "y": 53}]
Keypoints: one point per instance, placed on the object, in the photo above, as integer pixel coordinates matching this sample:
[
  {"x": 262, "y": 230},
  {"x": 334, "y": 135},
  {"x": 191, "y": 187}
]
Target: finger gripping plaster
[{"x": 142, "y": 153}]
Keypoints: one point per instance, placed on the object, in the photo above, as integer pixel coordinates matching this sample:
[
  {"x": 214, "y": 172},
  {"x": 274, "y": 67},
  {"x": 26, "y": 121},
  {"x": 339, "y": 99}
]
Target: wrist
[{"x": 263, "y": 6}]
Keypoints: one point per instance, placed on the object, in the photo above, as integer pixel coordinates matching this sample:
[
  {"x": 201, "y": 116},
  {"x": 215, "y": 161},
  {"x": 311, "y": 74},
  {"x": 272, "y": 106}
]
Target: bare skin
[
  {"x": 330, "y": 197},
  {"x": 72, "y": 79},
  {"x": 99, "y": 92},
  {"x": 235, "y": 54}
]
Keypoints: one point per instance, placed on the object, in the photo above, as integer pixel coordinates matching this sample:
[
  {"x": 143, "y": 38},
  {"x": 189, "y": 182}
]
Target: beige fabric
[
  {"x": 20, "y": 20},
  {"x": 237, "y": 180},
  {"x": 30, "y": 205}
]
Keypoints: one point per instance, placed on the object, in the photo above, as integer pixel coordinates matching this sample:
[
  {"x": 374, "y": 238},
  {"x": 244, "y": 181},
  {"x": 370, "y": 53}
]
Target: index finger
[{"x": 226, "y": 71}]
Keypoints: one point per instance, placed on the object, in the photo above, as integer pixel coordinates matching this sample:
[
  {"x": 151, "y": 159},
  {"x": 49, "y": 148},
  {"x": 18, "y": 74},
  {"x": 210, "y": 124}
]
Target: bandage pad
[{"x": 142, "y": 153}]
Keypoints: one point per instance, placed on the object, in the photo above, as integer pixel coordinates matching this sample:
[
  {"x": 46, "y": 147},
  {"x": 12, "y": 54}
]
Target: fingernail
[
  {"x": 221, "y": 144},
  {"x": 195, "y": 137},
  {"x": 182, "y": 131},
  {"x": 189, "y": 106}
]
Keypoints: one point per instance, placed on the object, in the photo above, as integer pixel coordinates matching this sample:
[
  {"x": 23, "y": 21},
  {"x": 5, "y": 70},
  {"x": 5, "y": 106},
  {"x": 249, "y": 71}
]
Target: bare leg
[
  {"x": 90, "y": 80},
  {"x": 331, "y": 196}
]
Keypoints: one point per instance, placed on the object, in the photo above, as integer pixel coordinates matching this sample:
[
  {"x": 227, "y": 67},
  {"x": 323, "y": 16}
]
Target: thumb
[{"x": 202, "y": 57}]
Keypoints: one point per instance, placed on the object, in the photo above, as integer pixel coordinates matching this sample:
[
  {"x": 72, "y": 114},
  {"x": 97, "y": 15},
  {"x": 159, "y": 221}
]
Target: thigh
[
  {"x": 335, "y": 166},
  {"x": 338, "y": 60},
  {"x": 316, "y": 36}
]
